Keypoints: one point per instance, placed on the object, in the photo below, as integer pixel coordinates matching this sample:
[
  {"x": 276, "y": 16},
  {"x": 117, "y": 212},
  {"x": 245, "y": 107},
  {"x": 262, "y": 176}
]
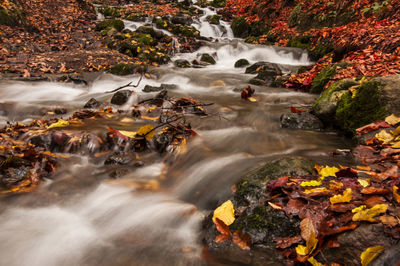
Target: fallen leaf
[
  {"x": 311, "y": 244},
  {"x": 372, "y": 127},
  {"x": 346, "y": 197},
  {"x": 242, "y": 240},
  {"x": 296, "y": 111},
  {"x": 328, "y": 171},
  {"x": 389, "y": 220},
  {"x": 370, "y": 254},
  {"x": 221, "y": 238},
  {"x": 225, "y": 213},
  {"x": 374, "y": 190},
  {"x": 369, "y": 214},
  {"x": 313, "y": 183},
  {"x": 275, "y": 206},
  {"x": 285, "y": 242},
  {"x": 314, "y": 262},
  {"x": 364, "y": 182},
  {"x": 147, "y": 131},
  {"x": 306, "y": 227},
  {"x": 59, "y": 123},
  {"x": 129, "y": 134},
  {"x": 384, "y": 136},
  {"x": 222, "y": 227},
  {"x": 392, "y": 119},
  {"x": 395, "y": 194}
]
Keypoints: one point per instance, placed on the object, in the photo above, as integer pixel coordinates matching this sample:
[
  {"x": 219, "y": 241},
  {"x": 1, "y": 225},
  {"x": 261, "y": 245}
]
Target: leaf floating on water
[
  {"x": 252, "y": 99},
  {"x": 392, "y": 119},
  {"x": 242, "y": 240},
  {"x": 59, "y": 123},
  {"x": 225, "y": 213},
  {"x": 370, "y": 254},
  {"x": 369, "y": 214},
  {"x": 346, "y": 197},
  {"x": 129, "y": 134},
  {"x": 313, "y": 183},
  {"x": 147, "y": 131}
]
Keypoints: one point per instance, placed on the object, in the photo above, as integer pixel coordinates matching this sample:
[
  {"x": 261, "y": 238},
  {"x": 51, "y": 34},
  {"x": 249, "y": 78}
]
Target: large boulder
[
  {"x": 182, "y": 19},
  {"x": 262, "y": 66},
  {"x": 240, "y": 27},
  {"x": 242, "y": 63},
  {"x": 121, "y": 97},
  {"x": 207, "y": 59}
]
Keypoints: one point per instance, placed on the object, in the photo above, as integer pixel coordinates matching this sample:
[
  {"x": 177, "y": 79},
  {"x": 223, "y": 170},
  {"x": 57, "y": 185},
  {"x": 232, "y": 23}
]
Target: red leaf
[
  {"x": 372, "y": 127},
  {"x": 296, "y": 111},
  {"x": 221, "y": 238}
]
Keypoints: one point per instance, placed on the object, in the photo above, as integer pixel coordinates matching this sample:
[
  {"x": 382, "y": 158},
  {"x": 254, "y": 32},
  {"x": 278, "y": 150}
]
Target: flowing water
[{"x": 80, "y": 218}]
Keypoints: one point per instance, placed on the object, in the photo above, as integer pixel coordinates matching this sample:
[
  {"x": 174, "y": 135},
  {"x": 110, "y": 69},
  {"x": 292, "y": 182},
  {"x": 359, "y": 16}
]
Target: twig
[{"x": 127, "y": 85}]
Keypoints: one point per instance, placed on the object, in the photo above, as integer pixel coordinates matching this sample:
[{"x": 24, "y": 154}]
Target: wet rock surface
[
  {"x": 121, "y": 97},
  {"x": 303, "y": 121}
]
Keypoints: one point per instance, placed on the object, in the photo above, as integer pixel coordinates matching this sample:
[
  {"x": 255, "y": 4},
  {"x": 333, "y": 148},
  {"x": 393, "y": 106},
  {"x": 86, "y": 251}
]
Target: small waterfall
[{"x": 210, "y": 30}]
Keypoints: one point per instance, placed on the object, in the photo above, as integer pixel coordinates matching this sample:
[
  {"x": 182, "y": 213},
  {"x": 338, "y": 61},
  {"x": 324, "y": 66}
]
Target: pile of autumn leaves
[{"x": 339, "y": 199}]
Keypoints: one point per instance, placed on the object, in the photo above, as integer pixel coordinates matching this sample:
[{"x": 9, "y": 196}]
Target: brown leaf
[
  {"x": 222, "y": 227},
  {"x": 392, "y": 172},
  {"x": 374, "y": 190},
  {"x": 221, "y": 238},
  {"x": 372, "y": 127},
  {"x": 306, "y": 227},
  {"x": 285, "y": 242},
  {"x": 242, "y": 240}
]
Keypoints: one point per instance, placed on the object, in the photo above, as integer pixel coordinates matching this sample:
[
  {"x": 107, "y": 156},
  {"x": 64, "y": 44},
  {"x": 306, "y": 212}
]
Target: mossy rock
[
  {"x": 208, "y": 59},
  {"x": 361, "y": 108},
  {"x": 12, "y": 17},
  {"x": 214, "y": 19},
  {"x": 137, "y": 18},
  {"x": 123, "y": 69},
  {"x": 143, "y": 38},
  {"x": 257, "y": 82},
  {"x": 252, "y": 187},
  {"x": 295, "y": 15},
  {"x": 128, "y": 49},
  {"x": 259, "y": 28},
  {"x": 325, "y": 106},
  {"x": 301, "y": 41},
  {"x": 108, "y": 23},
  {"x": 240, "y": 27},
  {"x": 182, "y": 63},
  {"x": 218, "y": 3},
  {"x": 187, "y": 31},
  {"x": 320, "y": 51},
  {"x": 322, "y": 79},
  {"x": 161, "y": 23},
  {"x": 242, "y": 63},
  {"x": 109, "y": 11}
]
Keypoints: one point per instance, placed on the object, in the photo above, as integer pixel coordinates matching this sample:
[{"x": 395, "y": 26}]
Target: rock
[
  {"x": 390, "y": 256},
  {"x": 92, "y": 103},
  {"x": 151, "y": 31},
  {"x": 73, "y": 78},
  {"x": 117, "y": 159},
  {"x": 60, "y": 110},
  {"x": 207, "y": 59},
  {"x": 240, "y": 27},
  {"x": 182, "y": 63},
  {"x": 263, "y": 67},
  {"x": 242, "y": 63},
  {"x": 214, "y": 19},
  {"x": 123, "y": 69},
  {"x": 186, "y": 31},
  {"x": 390, "y": 93},
  {"x": 353, "y": 243},
  {"x": 41, "y": 140},
  {"x": 264, "y": 78},
  {"x": 304, "y": 121},
  {"x": 110, "y": 23},
  {"x": 252, "y": 187},
  {"x": 168, "y": 87},
  {"x": 14, "y": 175},
  {"x": 149, "y": 88},
  {"x": 121, "y": 97},
  {"x": 326, "y": 104},
  {"x": 182, "y": 19},
  {"x": 260, "y": 221}
]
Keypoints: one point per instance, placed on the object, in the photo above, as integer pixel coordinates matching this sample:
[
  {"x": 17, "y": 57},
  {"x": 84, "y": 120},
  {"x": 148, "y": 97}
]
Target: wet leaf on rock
[
  {"x": 242, "y": 240},
  {"x": 370, "y": 254},
  {"x": 225, "y": 213}
]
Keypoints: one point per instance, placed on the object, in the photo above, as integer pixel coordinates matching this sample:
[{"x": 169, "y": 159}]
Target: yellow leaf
[
  {"x": 129, "y": 134},
  {"x": 384, "y": 136},
  {"x": 396, "y": 132},
  {"x": 147, "y": 131},
  {"x": 392, "y": 119},
  {"x": 138, "y": 49},
  {"x": 315, "y": 190},
  {"x": 251, "y": 99},
  {"x": 328, "y": 171},
  {"x": 369, "y": 214},
  {"x": 314, "y": 262},
  {"x": 346, "y": 197},
  {"x": 370, "y": 254},
  {"x": 126, "y": 120},
  {"x": 313, "y": 183},
  {"x": 311, "y": 244},
  {"x": 127, "y": 35},
  {"x": 59, "y": 123},
  {"x": 225, "y": 213},
  {"x": 359, "y": 208},
  {"x": 364, "y": 182},
  {"x": 150, "y": 117},
  {"x": 396, "y": 145},
  {"x": 395, "y": 194}
]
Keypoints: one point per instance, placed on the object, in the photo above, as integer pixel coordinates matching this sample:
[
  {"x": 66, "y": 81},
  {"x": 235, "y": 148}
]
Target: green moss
[
  {"x": 12, "y": 17},
  {"x": 240, "y": 27},
  {"x": 218, "y": 3},
  {"x": 322, "y": 79},
  {"x": 136, "y": 18},
  {"x": 320, "y": 51},
  {"x": 161, "y": 24},
  {"x": 206, "y": 58},
  {"x": 242, "y": 63},
  {"x": 109, "y": 11},
  {"x": 123, "y": 69},
  {"x": 214, "y": 19},
  {"x": 359, "y": 109},
  {"x": 295, "y": 16},
  {"x": 187, "y": 31},
  {"x": 108, "y": 23},
  {"x": 301, "y": 41},
  {"x": 127, "y": 48},
  {"x": 143, "y": 39}
]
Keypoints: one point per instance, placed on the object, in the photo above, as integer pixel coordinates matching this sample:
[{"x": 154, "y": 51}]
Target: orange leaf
[
  {"x": 222, "y": 227},
  {"x": 242, "y": 240},
  {"x": 221, "y": 238}
]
